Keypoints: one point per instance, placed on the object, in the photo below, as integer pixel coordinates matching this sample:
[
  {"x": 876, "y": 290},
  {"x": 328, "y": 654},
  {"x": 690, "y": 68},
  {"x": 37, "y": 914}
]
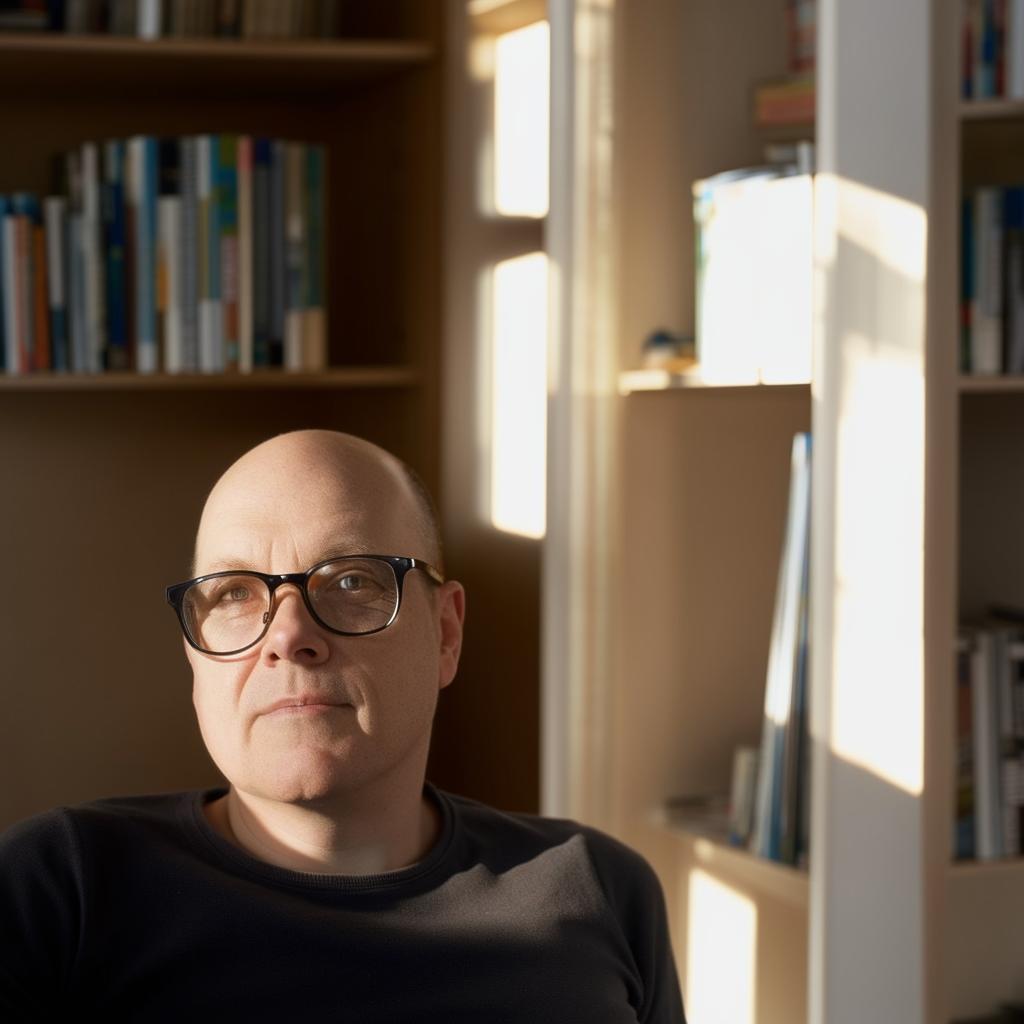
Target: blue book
[{"x": 227, "y": 224}]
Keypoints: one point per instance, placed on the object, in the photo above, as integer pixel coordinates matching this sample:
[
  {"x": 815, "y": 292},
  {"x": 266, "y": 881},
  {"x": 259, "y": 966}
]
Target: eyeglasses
[{"x": 228, "y": 612}]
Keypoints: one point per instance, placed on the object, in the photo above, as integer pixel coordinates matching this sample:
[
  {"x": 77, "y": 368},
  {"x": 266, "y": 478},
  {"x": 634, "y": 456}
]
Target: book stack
[
  {"x": 196, "y": 254},
  {"x": 992, "y": 281},
  {"x": 992, "y": 41},
  {"x": 154, "y": 19},
  {"x": 781, "y": 811},
  {"x": 989, "y": 800},
  {"x": 790, "y": 102}
]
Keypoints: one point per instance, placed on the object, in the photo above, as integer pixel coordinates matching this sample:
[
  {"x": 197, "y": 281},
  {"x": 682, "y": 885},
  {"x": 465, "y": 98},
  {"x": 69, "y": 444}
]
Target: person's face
[{"x": 382, "y": 688}]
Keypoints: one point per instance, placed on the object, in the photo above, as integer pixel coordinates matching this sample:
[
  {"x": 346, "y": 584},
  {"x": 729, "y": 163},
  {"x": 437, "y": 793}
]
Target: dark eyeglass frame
[{"x": 400, "y": 565}]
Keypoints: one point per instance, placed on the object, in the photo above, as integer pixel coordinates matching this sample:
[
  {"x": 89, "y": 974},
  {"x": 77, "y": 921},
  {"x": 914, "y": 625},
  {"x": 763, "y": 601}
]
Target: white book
[
  {"x": 1015, "y": 49},
  {"x": 149, "y": 17},
  {"x": 79, "y": 333},
  {"x": 92, "y": 244},
  {"x": 169, "y": 276},
  {"x": 12, "y": 325},
  {"x": 984, "y": 721},
  {"x": 245, "y": 254},
  {"x": 986, "y": 320}
]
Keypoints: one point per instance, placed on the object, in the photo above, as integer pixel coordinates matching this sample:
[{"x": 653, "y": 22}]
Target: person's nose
[{"x": 293, "y": 635}]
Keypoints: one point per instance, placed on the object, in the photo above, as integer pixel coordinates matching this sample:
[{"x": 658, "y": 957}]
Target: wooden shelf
[
  {"x": 92, "y": 65},
  {"x": 340, "y": 378},
  {"x": 991, "y": 110},
  {"x": 1010, "y": 869},
  {"x": 715, "y": 855},
  {"x": 631, "y": 381},
  {"x": 995, "y": 383}
]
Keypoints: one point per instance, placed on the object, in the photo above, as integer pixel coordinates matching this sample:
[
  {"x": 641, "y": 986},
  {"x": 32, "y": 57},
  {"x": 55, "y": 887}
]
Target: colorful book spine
[
  {"x": 9, "y": 283},
  {"x": 210, "y": 313},
  {"x": 278, "y": 247},
  {"x": 169, "y": 258},
  {"x": 245, "y": 254},
  {"x": 55, "y": 217},
  {"x": 25, "y": 209},
  {"x": 190, "y": 248},
  {"x": 227, "y": 224},
  {"x": 145, "y": 171},
  {"x": 314, "y": 315},
  {"x": 92, "y": 245},
  {"x": 262, "y": 286},
  {"x": 295, "y": 248},
  {"x": 114, "y": 200}
]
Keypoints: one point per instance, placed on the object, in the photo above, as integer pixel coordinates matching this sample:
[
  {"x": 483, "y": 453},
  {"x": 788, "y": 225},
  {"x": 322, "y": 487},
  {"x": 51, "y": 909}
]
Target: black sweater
[{"x": 136, "y": 909}]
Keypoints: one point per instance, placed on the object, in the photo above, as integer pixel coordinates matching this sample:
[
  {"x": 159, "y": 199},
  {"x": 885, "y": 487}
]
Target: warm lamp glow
[
  {"x": 519, "y": 395},
  {"x": 521, "y": 118},
  {"x": 721, "y": 953}
]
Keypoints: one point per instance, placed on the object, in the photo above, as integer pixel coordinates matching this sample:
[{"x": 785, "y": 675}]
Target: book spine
[
  {"x": 43, "y": 357},
  {"x": 295, "y": 225},
  {"x": 143, "y": 163},
  {"x": 227, "y": 208},
  {"x": 26, "y": 209},
  {"x": 169, "y": 285},
  {"x": 55, "y": 219},
  {"x": 116, "y": 183},
  {"x": 261, "y": 253},
  {"x": 190, "y": 255},
  {"x": 150, "y": 19},
  {"x": 210, "y": 315},
  {"x": 12, "y": 325},
  {"x": 315, "y": 331},
  {"x": 278, "y": 262},
  {"x": 245, "y": 253},
  {"x": 92, "y": 241}
]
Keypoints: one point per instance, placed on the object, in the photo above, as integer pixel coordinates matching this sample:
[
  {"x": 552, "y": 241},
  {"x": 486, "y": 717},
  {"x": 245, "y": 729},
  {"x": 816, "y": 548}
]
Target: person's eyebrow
[{"x": 242, "y": 564}]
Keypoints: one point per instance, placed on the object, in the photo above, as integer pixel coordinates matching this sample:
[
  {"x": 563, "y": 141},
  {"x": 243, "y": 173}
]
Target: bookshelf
[
  {"x": 104, "y": 475},
  {"x": 916, "y": 485}
]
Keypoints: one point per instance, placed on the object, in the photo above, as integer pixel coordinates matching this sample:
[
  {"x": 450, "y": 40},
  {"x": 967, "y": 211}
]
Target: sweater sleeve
[
  {"x": 637, "y": 900},
  {"x": 40, "y": 914}
]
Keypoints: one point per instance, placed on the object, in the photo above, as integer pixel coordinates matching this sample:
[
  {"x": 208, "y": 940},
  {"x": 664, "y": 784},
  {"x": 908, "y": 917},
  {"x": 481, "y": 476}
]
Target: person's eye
[{"x": 351, "y": 582}]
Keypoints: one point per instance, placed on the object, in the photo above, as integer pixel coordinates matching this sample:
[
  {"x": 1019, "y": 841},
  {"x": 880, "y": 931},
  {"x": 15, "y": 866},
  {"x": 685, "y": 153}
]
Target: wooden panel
[{"x": 991, "y": 497}]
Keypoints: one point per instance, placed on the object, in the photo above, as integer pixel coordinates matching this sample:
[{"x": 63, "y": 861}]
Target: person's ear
[{"x": 451, "y": 601}]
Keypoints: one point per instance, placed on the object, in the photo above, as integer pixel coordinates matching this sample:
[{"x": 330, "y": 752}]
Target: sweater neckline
[{"x": 388, "y": 881}]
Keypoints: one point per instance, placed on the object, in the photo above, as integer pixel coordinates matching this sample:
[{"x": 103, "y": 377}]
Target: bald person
[{"x": 329, "y": 880}]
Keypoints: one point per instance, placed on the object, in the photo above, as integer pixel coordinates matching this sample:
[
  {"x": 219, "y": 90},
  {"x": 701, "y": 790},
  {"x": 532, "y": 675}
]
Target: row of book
[
  {"x": 770, "y": 799},
  {"x": 153, "y": 19},
  {"x": 992, "y": 281},
  {"x": 194, "y": 254},
  {"x": 992, "y": 49},
  {"x": 989, "y": 801}
]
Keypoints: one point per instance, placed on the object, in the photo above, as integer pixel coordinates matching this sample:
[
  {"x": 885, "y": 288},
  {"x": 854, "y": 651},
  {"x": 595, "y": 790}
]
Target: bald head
[{"x": 311, "y": 489}]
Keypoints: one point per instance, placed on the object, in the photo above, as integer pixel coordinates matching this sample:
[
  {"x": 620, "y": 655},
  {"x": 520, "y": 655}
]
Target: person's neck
[{"x": 361, "y": 834}]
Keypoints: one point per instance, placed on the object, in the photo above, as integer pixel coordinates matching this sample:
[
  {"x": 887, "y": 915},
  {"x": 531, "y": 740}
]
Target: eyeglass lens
[{"x": 352, "y": 595}]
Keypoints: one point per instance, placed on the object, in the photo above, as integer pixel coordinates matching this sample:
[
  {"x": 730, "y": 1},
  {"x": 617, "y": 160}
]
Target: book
[
  {"x": 245, "y": 253},
  {"x": 169, "y": 258},
  {"x": 144, "y": 169},
  {"x": 55, "y": 216},
  {"x": 784, "y": 751},
  {"x": 227, "y": 246}
]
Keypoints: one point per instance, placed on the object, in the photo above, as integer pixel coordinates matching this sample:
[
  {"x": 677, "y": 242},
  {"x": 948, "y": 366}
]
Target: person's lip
[{"x": 304, "y": 700}]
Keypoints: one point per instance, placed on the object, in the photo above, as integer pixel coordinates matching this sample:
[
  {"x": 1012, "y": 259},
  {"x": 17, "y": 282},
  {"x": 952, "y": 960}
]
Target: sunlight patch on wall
[
  {"x": 521, "y": 119},
  {"x": 721, "y": 944},
  {"x": 519, "y": 391}
]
